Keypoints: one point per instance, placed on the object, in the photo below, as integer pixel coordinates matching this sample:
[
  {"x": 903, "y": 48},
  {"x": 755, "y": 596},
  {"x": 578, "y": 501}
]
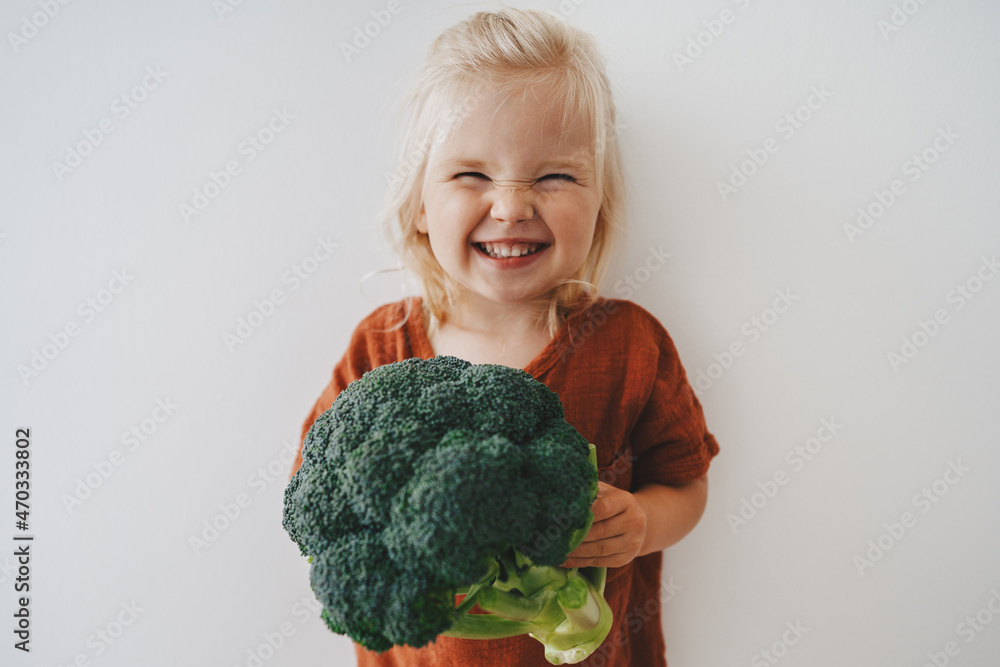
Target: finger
[
  {"x": 594, "y": 555},
  {"x": 604, "y": 487},
  {"x": 599, "y": 549},
  {"x": 604, "y": 529},
  {"x": 613, "y": 503}
]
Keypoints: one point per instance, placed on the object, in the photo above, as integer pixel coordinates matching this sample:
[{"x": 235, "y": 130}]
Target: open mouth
[{"x": 505, "y": 250}]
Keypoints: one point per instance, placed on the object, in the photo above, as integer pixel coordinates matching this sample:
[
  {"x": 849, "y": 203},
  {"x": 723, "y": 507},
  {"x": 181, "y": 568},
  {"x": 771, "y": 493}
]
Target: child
[{"x": 508, "y": 201}]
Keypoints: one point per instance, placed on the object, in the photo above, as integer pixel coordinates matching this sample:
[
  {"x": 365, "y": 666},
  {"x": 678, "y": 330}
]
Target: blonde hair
[{"x": 487, "y": 57}]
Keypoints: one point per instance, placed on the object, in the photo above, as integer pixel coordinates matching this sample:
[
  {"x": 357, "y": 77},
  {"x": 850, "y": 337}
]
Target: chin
[
  {"x": 513, "y": 299},
  {"x": 506, "y": 300}
]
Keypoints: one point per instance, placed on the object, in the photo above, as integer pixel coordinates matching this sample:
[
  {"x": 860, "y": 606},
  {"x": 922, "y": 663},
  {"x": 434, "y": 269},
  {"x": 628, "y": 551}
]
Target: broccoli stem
[
  {"x": 578, "y": 603},
  {"x": 523, "y": 576},
  {"x": 598, "y": 576},
  {"x": 583, "y": 629},
  {"x": 576, "y": 538},
  {"x": 470, "y": 599},
  {"x": 534, "y": 579},
  {"x": 471, "y": 596},
  {"x": 508, "y": 605},
  {"x": 487, "y": 626}
]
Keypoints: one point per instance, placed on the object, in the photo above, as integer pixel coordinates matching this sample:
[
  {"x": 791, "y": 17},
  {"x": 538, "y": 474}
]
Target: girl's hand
[{"x": 618, "y": 531}]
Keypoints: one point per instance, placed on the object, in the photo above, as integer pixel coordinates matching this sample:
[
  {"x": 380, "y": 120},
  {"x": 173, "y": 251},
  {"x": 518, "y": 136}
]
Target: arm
[
  {"x": 627, "y": 525},
  {"x": 671, "y": 511}
]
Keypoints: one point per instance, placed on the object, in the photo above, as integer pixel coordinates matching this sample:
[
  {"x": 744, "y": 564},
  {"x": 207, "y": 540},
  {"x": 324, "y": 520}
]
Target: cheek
[
  {"x": 459, "y": 205},
  {"x": 576, "y": 222},
  {"x": 458, "y": 211}
]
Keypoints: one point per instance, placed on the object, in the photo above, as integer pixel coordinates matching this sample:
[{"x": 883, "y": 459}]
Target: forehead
[{"x": 526, "y": 125}]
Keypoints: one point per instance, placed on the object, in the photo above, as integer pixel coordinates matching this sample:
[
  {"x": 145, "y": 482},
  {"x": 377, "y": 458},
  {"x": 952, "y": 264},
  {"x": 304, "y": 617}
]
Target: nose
[{"x": 512, "y": 204}]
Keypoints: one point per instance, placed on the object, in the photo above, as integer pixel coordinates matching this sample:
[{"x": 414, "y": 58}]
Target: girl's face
[{"x": 510, "y": 202}]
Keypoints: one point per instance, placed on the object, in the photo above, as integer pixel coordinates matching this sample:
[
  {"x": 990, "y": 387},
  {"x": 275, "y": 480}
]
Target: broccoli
[{"x": 429, "y": 478}]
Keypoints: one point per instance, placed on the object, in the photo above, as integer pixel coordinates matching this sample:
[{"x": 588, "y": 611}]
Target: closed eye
[{"x": 476, "y": 174}]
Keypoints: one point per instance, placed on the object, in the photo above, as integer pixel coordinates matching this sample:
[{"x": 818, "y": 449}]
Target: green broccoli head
[{"x": 418, "y": 478}]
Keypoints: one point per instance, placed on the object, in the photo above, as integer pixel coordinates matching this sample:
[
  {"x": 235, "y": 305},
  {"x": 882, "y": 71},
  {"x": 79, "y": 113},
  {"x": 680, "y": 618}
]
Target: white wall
[{"x": 885, "y": 98}]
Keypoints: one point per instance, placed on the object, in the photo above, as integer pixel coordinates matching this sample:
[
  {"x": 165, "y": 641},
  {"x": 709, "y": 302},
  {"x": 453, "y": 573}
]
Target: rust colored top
[{"x": 623, "y": 388}]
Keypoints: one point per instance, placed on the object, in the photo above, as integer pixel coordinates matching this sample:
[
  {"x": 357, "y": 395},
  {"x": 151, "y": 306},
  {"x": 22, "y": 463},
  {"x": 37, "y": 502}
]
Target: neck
[{"x": 474, "y": 313}]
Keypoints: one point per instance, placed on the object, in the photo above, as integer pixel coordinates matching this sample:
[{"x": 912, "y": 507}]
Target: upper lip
[{"x": 511, "y": 241}]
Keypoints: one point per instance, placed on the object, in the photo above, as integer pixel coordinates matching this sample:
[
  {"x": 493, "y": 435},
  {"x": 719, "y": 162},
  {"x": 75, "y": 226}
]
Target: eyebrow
[{"x": 548, "y": 164}]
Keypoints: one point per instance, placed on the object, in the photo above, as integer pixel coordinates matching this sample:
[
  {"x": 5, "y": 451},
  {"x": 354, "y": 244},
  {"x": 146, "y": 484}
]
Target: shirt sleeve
[{"x": 670, "y": 441}]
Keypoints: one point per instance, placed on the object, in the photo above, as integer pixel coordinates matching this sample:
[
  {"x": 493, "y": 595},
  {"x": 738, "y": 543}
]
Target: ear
[{"x": 422, "y": 220}]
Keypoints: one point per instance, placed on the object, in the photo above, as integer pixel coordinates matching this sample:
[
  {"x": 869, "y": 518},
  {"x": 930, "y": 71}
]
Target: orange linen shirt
[{"x": 623, "y": 388}]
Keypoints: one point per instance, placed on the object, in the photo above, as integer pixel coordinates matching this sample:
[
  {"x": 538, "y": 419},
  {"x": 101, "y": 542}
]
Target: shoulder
[
  {"x": 628, "y": 310},
  {"x": 389, "y": 317},
  {"x": 391, "y": 332},
  {"x": 624, "y": 319},
  {"x": 623, "y": 335}
]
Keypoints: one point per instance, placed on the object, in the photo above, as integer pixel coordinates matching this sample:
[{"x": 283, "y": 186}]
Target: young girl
[{"x": 508, "y": 201}]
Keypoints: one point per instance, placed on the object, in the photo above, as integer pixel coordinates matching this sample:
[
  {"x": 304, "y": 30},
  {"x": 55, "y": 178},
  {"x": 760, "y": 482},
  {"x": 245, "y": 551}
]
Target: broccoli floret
[{"x": 431, "y": 478}]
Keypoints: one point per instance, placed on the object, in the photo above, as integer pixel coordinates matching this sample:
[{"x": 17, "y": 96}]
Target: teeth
[{"x": 499, "y": 250}]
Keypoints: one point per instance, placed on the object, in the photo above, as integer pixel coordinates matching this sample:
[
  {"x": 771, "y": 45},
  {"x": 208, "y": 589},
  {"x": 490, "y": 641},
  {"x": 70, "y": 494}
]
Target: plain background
[{"x": 734, "y": 587}]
